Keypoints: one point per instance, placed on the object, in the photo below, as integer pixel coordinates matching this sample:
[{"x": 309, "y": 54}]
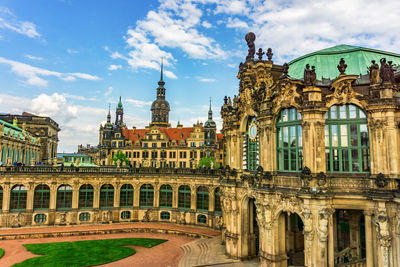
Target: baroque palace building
[
  {"x": 311, "y": 175},
  {"x": 159, "y": 145},
  {"x": 45, "y": 130}
]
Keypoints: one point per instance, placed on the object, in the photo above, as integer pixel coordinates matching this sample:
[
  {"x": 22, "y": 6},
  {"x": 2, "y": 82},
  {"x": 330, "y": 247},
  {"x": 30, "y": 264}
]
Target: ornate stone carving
[
  {"x": 269, "y": 54},
  {"x": 374, "y": 75},
  {"x": 342, "y": 66},
  {"x": 343, "y": 90},
  {"x": 106, "y": 216},
  {"x": 321, "y": 179},
  {"x": 146, "y": 217},
  {"x": 381, "y": 180},
  {"x": 387, "y": 71},
  {"x": 260, "y": 54},
  {"x": 250, "y": 38},
  {"x": 323, "y": 221},
  {"x": 310, "y": 76}
]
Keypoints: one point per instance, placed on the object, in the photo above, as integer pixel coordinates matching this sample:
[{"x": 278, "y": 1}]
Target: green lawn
[
  {"x": 84, "y": 253},
  {"x": 1, "y": 252}
]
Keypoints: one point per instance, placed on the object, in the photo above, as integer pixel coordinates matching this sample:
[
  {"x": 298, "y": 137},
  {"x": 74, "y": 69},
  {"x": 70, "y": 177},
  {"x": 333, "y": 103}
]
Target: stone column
[
  {"x": 53, "y": 196},
  {"x": 117, "y": 193},
  {"x": 29, "y": 197},
  {"x": 96, "y": 196},
  {"x": 369, "y": 238},
  {"x": 313, "y": 127},
  {"x": 156, "y": 201},
  {"x": 75, "y": 196},
  {"x": 211, "y": 200},
  {"x": 331, "y": 246},
  {"x": 323, "y": 234},
  {"x": 136, "y": 196},
  {"x": 175, "y": 195},
  {"x": 193, "y": 192},
  {"x": 6, "y": 197}
]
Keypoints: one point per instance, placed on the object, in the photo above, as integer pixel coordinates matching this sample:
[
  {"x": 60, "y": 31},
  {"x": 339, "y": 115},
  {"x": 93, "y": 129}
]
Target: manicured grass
[
  {"x": 1, "y": 253},
  {"x": 85, "y": 253}
]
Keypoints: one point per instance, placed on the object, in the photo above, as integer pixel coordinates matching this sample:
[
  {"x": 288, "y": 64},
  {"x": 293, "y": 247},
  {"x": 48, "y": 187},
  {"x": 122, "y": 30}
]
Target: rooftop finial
[{"x": 210, "y": 111}]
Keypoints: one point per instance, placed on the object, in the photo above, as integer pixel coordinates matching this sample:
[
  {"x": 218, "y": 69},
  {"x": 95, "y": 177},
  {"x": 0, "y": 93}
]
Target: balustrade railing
[{"x": 109, "y": 169}]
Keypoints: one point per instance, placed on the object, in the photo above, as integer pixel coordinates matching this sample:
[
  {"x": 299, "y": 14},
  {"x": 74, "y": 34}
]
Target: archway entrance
[
  {"x": 254, "y": 236},
  {"x": 291, "y": 240}
]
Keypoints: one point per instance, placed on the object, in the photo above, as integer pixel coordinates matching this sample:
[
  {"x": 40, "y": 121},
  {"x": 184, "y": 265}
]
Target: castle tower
[
  {"x": 160, "y": 107},
  {"x": 210, "y": 130},
  {"x": 119, "y": 114}
]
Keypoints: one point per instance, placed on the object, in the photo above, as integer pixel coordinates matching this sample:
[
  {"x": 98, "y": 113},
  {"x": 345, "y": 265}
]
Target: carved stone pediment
[
  {"x": 342, "y": 89},
  {"x": 286, "y": 94}
]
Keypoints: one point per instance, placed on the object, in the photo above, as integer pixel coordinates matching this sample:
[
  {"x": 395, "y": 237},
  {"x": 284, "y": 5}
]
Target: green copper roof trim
[{"x": 357, "y": 58}]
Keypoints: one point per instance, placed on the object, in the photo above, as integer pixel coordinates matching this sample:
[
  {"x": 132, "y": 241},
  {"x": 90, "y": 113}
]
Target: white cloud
[
  {"x": 9, "y": 21},
  {"x": 79, "y": 97},
  {"x": 108, "y": 91},
  {"x": 114, "y": 67},
  {"x": 33, "y": 75},
  {"x": 232, "y": 65},
  {"x": 72, "y": 51},
  {"x": 206, "y": 24},
  {"x": 138, "y": 103},
  {"x": 34, "y": 57},
  {"x": 207, "y": 80},
  {"x": 237, "y": 24}
]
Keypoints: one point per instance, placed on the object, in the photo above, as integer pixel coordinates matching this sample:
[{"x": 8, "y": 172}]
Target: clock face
[{"x": 253, "y": 131}]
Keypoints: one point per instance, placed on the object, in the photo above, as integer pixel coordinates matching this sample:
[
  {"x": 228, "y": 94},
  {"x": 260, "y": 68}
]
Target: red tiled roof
[
  {"x": 220, "y": 136},
  {"x": 171, "y": 133},
  {"x": 132, "y": 134}
]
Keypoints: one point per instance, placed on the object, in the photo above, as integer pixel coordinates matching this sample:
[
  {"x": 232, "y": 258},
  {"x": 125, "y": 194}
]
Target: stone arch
[
  {"x": 243, "y": 120},
  {"x": 353, "y": 101},
  {"x": 277, "y": 111},
  {"x": 249, "y": 241}
]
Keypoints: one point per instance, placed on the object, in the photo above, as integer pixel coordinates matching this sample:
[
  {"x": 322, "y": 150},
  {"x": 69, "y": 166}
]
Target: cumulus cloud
[
  {"x": 206, "y": 80},
  {"x": 10, "y": 22},
  {"x": 114, "y": 67},
  {"x": 34, "y": 57},
  {"x": 34, "y": 75},
  {"x": 138, "y": 103},
  {"x": 72, "y": 51}
]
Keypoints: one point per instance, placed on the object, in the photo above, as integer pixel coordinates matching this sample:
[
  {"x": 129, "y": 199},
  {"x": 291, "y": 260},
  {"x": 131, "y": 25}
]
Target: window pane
[
  {"x": 326, "y": 135},
  {"x": 285, "y": 136},
  {"x": 293, "y": 136},
  {"x": 353, "y": 135},
  {"x": 364, "y": 134},
  {"x": 335, "y": 160},
  {"x": 328, "y": 160},
  {"x": 300, "y": 136},
  {"x": 342, "y": 112},
  {"x": 334, "y": 130},
  {"x": 354, "y": 160},
  {"x": 292, "y": 159},
  {"x": 333, "y": 111},
  {"x": 352, "y": 112},
  {"x": 343, "y": 136},
  {"x": 365, "y": 160},
  {"x": 345, "y": 160}
]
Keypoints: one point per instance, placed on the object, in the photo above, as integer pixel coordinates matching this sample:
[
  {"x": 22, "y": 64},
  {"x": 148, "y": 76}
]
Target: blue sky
[{"x": 68, "y": 59}]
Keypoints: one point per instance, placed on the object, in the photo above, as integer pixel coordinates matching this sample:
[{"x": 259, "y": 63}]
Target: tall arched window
[
  {"x": 250, "y": 146},
  {"x": 18, "y": 198},
  {"x": 289, "y": 140},
  {"x": 184, "y": 197},
  {"x": 217, "y": 200},
  {"x": 202, "y": 198},
  {"x": 146, "y": 196},
  {"x": 165, "y": 196},
  {"x": 86, "y": 194},
  {"x": 346, "y": 139},
  {"x": 126, "y": 196},
  {"x": 41, "y": 199},
  {"x": 64, "y": 197},
  {"x": 106, "y": 196}
]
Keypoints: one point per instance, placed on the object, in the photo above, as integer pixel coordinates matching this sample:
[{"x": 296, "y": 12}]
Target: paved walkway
[{"x": 210, "y": 252}]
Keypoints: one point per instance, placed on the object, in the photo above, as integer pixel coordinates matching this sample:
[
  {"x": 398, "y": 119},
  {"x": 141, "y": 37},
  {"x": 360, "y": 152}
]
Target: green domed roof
[{"x": 357, "y": 58}]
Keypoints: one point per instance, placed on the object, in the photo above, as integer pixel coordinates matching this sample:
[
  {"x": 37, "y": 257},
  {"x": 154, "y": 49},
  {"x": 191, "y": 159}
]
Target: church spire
[
  {"x": 109, "y": 114},
  {"x": 161, "y": 83},
  {"x": 210, "y": 111},
  {"x": 162, "y": 65}
]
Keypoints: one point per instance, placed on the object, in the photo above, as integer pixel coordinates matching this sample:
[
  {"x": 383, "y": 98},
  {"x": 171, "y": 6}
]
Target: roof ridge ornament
[{"x": 269, "y": 54}]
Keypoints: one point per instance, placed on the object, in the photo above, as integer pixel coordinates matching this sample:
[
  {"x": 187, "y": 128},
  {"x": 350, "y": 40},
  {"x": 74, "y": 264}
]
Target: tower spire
[
  {"x": 210, "y": 111},
  {"x": 162, "y": 68},
  {"x": 109, "y": 114}
]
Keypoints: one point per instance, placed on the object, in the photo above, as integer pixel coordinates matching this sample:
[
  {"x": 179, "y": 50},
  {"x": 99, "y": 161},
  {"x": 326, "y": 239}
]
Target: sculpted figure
[
  {"x": 374, "y": 77},
  {"x": 313, "y": 76},
  {"x": 386, "y": 71},
  {"x": 307, "y": 75},
  {"x": 250, "y": 38},
  {"x": 342, "y": 66}
]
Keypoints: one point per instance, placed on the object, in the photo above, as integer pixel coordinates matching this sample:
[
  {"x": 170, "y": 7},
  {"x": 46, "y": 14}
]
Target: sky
[{"x": 70, "y": 59}]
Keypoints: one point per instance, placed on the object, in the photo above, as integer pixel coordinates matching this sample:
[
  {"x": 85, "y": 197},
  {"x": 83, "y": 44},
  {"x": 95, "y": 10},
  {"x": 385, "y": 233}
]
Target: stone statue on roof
[
  {"x": 374, "y": 77},
  {"x": 387, "y": 71},
  {"x": 250, "y": 38}
]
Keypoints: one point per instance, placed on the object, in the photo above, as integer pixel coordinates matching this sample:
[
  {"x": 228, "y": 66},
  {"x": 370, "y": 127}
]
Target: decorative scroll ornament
[{"x": 343, "y": 90}]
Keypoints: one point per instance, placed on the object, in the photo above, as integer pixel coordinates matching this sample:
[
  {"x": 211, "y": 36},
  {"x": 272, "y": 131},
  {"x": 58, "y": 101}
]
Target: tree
[
  {"x": 208, "y": 162},
  {"x": 119, "y": 158}
]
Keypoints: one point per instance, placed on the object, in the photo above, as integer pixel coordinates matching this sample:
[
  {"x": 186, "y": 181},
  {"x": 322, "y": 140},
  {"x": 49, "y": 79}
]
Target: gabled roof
[{"x": 358, "y": 60}]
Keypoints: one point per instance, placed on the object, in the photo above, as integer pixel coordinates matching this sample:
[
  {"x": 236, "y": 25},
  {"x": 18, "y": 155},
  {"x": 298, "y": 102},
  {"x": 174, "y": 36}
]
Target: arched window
[
  {"x": 250, "y": 146},
  {"x": 125, "y": 215},
  {"x": 346, "y": 139},
  {"x": 166, "y": 196},
  {"x": 165, "y": 215},
  {"x": 86, "y": 194},
  {"x": 202, "y": 198},
  {"x": 1, "y": 198},
  {"x": 41, "y": 199},
  {"x": 184, "y": 197},
  {"x": 64, "y": 197},
  {"x": 126, "y": 196},
  {"x": 146, "y": 196},
  {"x": 217, "y": 201},
  {"x": 202, "y": 218},
  {"x": 18, "y": 198},
  {"x": 289, "y": 140},
  {"x": 106, "y": 196}
]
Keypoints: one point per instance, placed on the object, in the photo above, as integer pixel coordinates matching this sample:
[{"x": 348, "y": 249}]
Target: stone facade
[
  {"x": 17, "y": 145},
  {"x": 320, "y": 188},
  {"x": 43, "y": 128}
]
